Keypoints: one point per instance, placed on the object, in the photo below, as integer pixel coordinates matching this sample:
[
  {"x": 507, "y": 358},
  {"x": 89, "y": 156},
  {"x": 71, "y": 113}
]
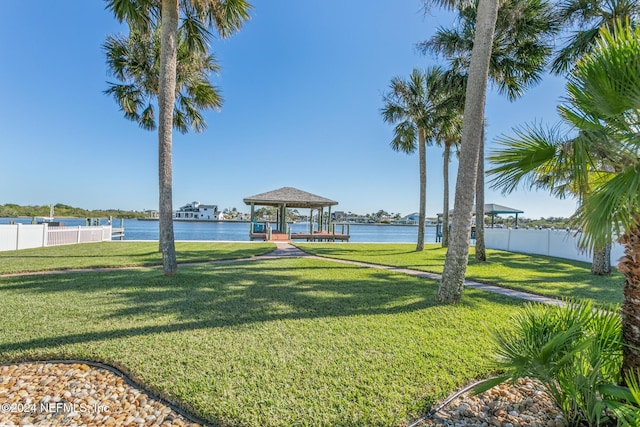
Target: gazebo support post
[
  {"x": 283, "y": 218},
  {"x": 320, "y": 218},
  {"x": 329, "y": 221},
  {"x": 253, "y": 216},
  {"x": 310, "y": 221},
  {"x": 516, "y": 220}
]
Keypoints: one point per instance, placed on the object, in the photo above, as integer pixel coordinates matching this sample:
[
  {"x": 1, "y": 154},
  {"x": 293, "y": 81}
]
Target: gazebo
[
  {"x": 289, "y": 197},
  {"x": 489, "y": 209},
  {"x": 494, "y": 209}
]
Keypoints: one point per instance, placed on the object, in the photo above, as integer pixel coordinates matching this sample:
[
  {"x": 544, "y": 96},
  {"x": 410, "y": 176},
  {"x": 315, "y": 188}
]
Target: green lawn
[
  {"x": 122, "y": 254},
  {"x": 548, "y": 276},
  {"x": 258, "y": 343}
]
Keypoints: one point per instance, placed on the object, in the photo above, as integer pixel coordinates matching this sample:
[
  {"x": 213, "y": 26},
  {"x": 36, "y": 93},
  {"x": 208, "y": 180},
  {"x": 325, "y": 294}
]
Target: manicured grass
[
  {"x": 542, "y": 275},
  {"x": 122, "y": 254},
  {"x": 262, "y": 343}
]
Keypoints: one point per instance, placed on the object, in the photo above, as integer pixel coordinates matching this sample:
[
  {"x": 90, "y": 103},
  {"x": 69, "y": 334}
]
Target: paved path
[{"x": 287, "y": 250}]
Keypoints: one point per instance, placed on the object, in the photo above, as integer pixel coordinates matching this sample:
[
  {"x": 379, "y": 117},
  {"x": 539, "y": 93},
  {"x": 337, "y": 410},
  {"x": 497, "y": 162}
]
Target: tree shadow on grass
[
  {"x": 218, "y": 296},
  {"x": 549, "y": 276}
]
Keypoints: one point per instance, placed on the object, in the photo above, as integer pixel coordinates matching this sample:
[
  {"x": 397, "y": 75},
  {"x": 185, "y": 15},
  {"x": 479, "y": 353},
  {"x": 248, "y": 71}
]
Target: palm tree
[
  {"x": 587, "y": 17},
  {"x": 603, "y": 108},
  {"x": 423, "y": 109},
  {"x": 452, "y": 283},
  {"x": 543, "y": 159},
  {"x": 521, "y": 47},
  {"x": 448, "y": 134},
  {"x": 407, "y": 104},
  {"x": 198, "y": 16}
]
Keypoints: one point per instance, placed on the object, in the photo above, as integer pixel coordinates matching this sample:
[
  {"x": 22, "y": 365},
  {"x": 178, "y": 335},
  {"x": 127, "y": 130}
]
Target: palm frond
[
  {"x": 405, "y": 137},
  {"x": 533, "y": 157},
  {"x": 227, "y": 16},
  {"x": 616, "y": 201},
  {"x": 196, "y": 34},
  {"x": 147, "y": 118},
  {"x": 523, "y": 41},
  {"x": 129, "y": 98},
  {"x": 134, "y": 12}
]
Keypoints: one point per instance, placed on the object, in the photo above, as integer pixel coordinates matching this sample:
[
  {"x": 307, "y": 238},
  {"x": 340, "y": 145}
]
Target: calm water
[{"x": 148, "y": 230}]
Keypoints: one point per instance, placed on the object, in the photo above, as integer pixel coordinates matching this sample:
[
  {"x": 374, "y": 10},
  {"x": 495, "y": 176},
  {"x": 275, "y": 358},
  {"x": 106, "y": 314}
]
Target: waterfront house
[{"x": 195, "y": 211}]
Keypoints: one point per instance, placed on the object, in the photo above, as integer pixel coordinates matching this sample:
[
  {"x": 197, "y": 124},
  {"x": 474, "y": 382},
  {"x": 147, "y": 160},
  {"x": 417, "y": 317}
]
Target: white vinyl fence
[
  {"x": 23, "y": 236},
  {"x": 556, "y": 243}
]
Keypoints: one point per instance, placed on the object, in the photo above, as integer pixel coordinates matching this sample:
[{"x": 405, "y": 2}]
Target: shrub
[
  {"x": 625, "y": 401},
  {"x": 573, "y": 350}
]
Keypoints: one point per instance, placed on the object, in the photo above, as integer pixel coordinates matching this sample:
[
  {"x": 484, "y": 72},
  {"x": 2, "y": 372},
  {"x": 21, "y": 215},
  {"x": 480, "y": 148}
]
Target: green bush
[
  {"x": 625, "y": 401},
  {"x": 573, "y": 350}
]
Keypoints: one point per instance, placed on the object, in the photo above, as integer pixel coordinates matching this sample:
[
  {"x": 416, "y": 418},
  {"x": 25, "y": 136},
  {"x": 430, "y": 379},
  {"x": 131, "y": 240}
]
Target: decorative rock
[
  {"x": 523, "y": 404},
  {"x": 76, "y": 394}
]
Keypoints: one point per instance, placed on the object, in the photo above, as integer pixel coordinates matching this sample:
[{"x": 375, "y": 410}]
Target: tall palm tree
[
  {"x": 198, "y": 16},
  {"x": 521, "y": 46},
  {"x": 451, "y": 285},
  {"x": 587, "y": 17},
  {"x": 603, "y": 109},
  {"x": 424, "y": 110},
  {"x": 448, "y": 134},
  {"x": 407, "y": 105}
]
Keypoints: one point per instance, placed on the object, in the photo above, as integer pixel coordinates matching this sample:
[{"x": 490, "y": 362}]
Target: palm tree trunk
[
  {"x": 455, "y": 266},
  {"x": 601, "y": 262},
  {"x": 481, "y": 254},
  {"x": 166, "y": 100},
  {"x": 445, "y": 202},
  {"x": 630, "y": 266},
  {"x": 422, "y": 154}
]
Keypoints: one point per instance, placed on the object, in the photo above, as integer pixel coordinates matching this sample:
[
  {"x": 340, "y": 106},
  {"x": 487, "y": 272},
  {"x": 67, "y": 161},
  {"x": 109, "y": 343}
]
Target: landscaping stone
[
  {"x": 523, "y": 404},
  {"x": 77, "y": 394}
]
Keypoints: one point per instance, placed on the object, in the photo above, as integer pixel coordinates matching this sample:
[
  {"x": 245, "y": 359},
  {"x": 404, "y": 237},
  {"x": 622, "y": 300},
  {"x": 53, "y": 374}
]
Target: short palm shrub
[
  {"x": 625, "y": 401},
  {"x": 573, "y": 350}
]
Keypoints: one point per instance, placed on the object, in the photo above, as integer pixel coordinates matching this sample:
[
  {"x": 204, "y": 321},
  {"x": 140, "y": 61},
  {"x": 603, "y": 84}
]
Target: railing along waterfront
[
  {"x": 80, "y": 234},
  {"x": 24, "y": 236}
]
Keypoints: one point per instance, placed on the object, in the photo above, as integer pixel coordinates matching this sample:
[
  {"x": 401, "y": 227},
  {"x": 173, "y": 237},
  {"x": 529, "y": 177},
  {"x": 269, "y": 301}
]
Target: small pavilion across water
[
  {"x": 494, "y": 209},
  {"x": 289, "y": 197}
]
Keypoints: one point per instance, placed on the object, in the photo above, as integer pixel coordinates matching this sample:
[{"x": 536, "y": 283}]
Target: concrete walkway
[{"x": 285, "y": 249}]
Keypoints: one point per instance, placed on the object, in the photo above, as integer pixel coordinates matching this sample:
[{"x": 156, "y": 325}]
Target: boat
[
  {"x": 43, "y": 219},
  {"x": 49, "y": 220}
]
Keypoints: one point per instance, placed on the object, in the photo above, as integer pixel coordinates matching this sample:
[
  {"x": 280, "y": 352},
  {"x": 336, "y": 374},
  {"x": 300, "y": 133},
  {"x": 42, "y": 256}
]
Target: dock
[
  {"x": 320, "y": 237},
  {"x": 117, "y": 233},
  {"x": 309, "y": 237}
]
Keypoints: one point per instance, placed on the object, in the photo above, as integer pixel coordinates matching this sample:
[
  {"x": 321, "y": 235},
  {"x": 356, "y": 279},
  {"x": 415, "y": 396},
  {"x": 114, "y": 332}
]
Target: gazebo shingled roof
[{"x": 291, "y": 197}]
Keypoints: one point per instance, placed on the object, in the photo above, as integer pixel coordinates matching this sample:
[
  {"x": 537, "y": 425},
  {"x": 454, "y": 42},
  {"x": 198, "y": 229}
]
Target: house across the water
[{"x": 195, "y": 211}]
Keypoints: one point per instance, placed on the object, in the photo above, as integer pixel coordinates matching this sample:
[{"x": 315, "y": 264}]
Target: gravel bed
[
  {"x": 523, "y": 404},
  {"x": 63, "y": 394}
]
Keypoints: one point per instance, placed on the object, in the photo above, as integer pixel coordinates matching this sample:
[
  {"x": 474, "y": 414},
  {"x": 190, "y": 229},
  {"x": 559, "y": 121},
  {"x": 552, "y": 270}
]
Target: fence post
[
  {"x": 548, "y": 242},
  {"x": 18, "y": 226},
  {"x": 45, "y": 234},
  {"x": 79, "y": 229}
]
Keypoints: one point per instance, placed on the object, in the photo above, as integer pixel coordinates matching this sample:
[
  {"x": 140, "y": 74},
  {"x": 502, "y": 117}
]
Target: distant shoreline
[{"x": 288, "y": 222}]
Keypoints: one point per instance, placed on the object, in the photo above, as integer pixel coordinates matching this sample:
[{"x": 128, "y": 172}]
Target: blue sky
[{"x": 302, "y": 82}]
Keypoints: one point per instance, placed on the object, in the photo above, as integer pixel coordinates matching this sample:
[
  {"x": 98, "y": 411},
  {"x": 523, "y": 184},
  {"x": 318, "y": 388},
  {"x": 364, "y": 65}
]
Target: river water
[{"x": 239, "y": 231}]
